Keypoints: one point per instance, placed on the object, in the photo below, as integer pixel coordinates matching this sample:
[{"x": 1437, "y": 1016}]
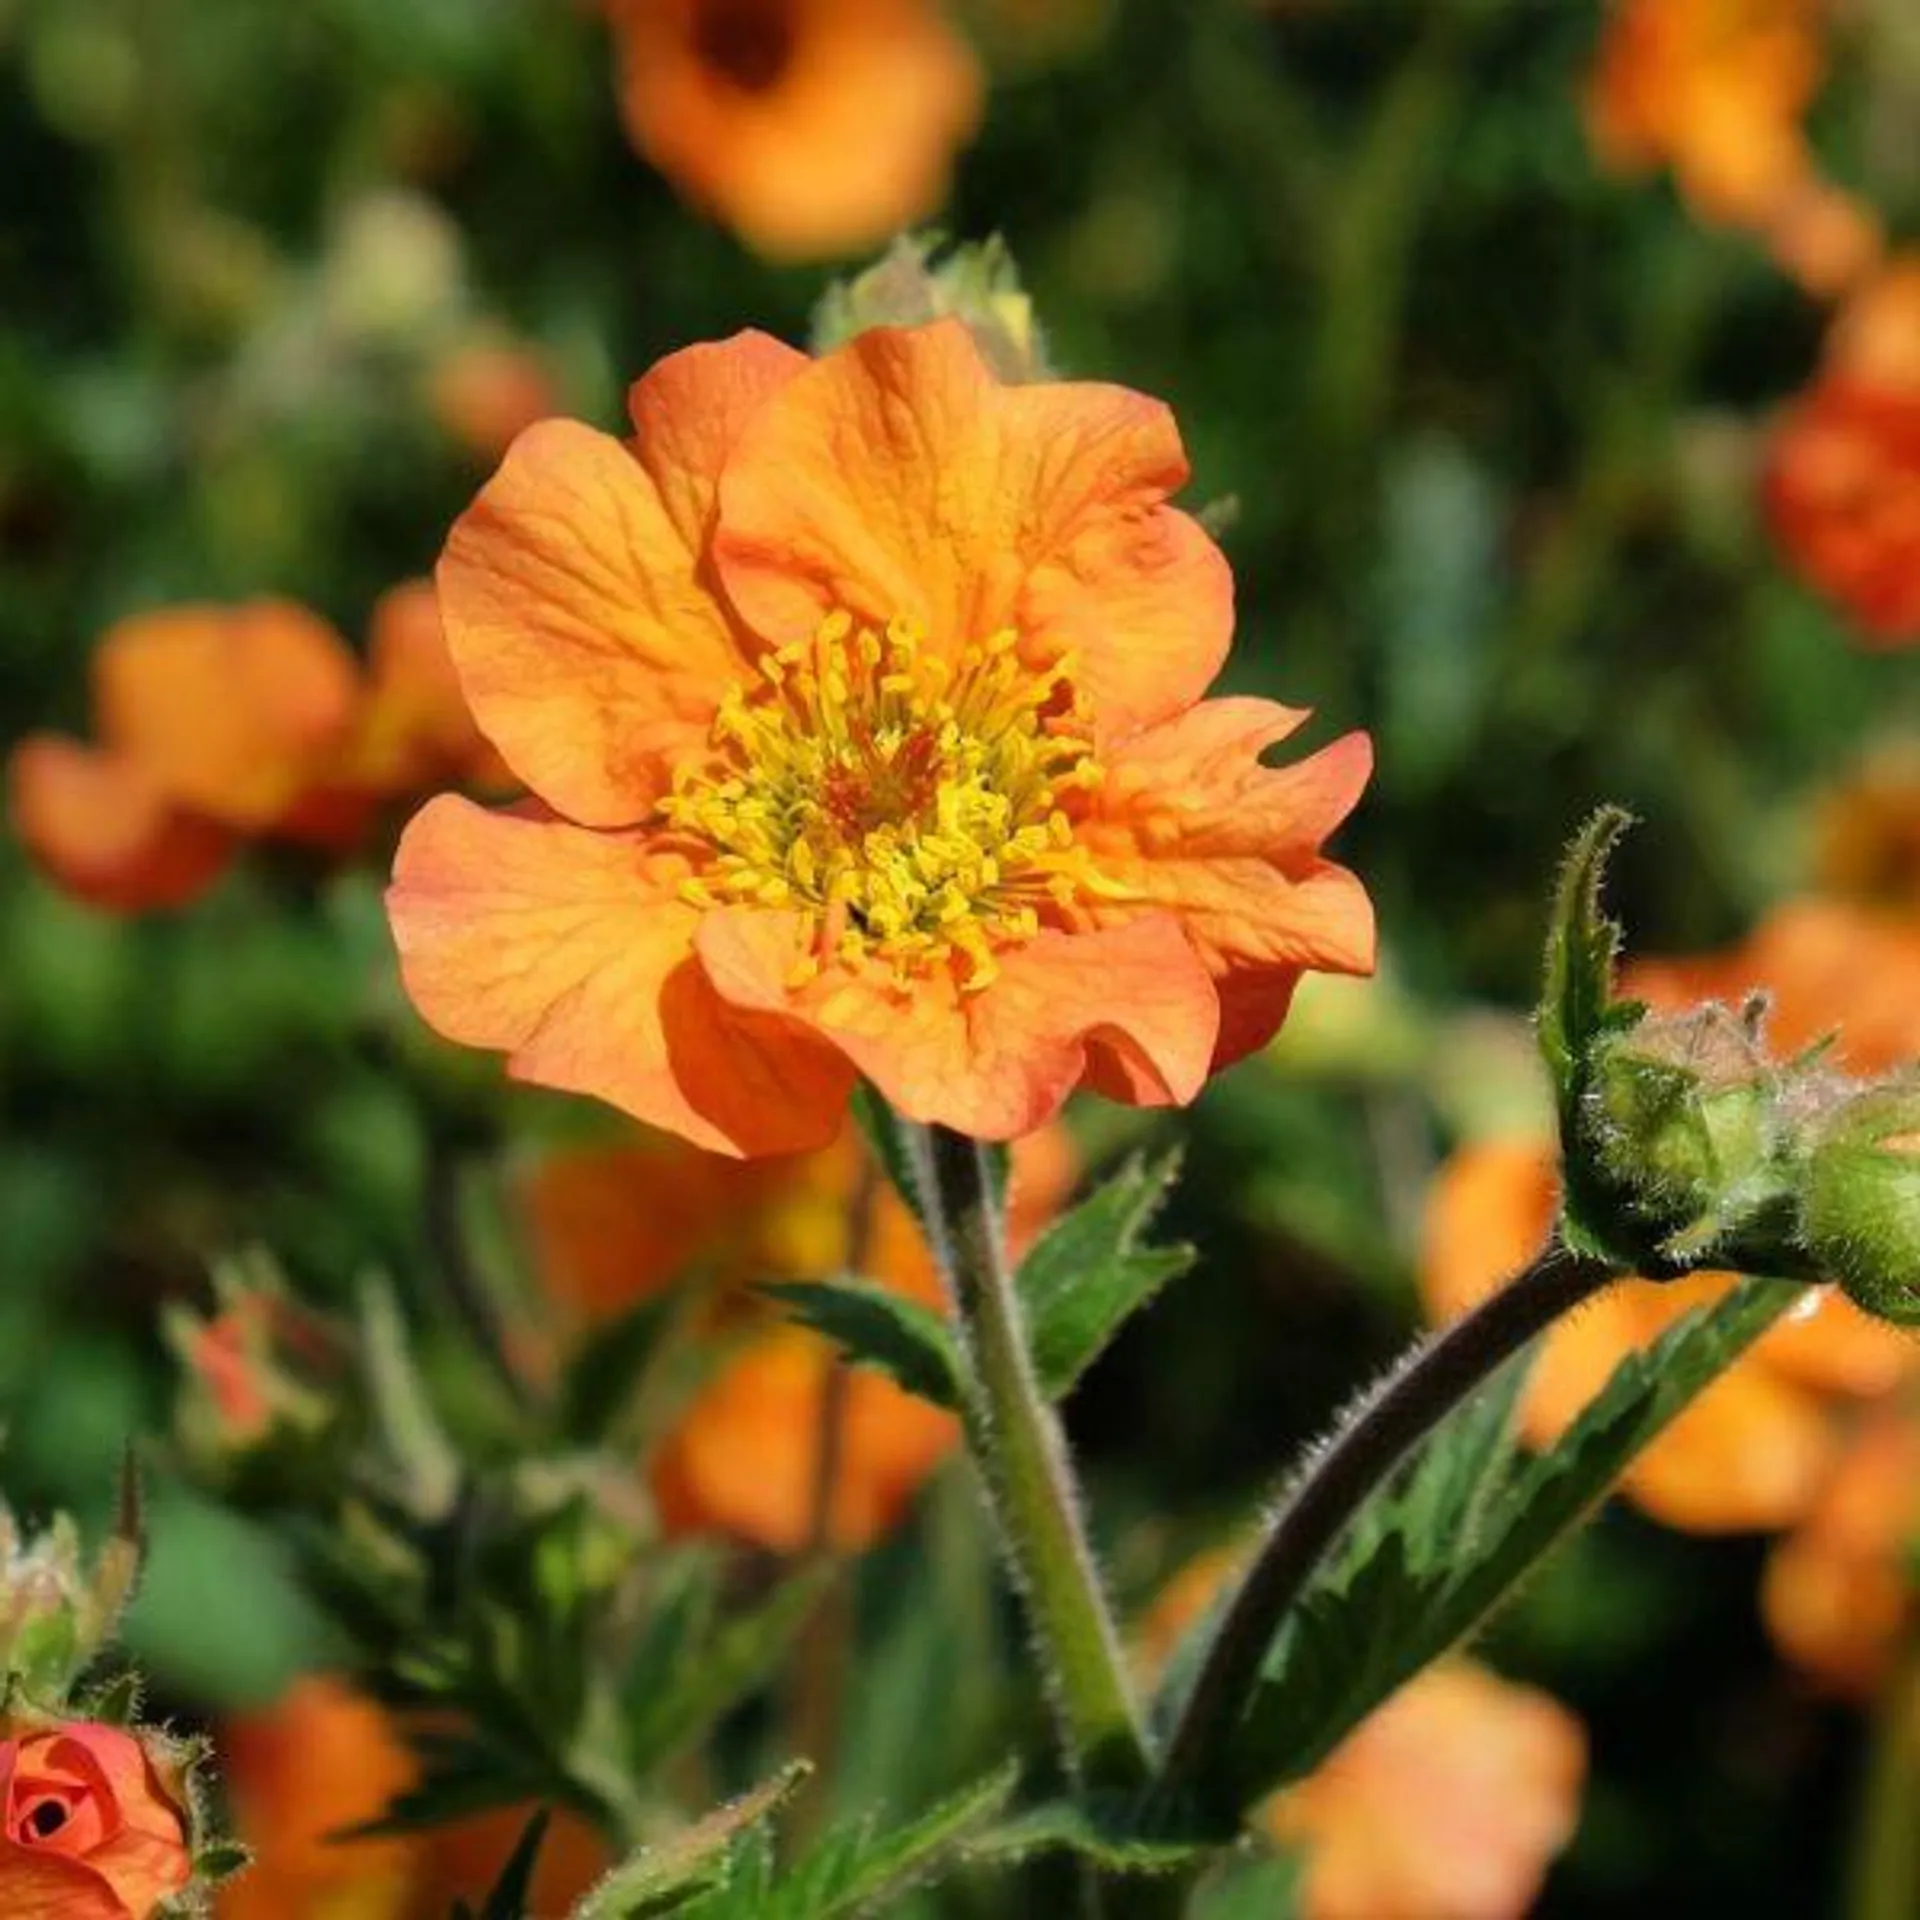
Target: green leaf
[
  {"x": 1451, "y": 1537},
  {"x": 220, "y": 1860},
  {"x": 1088, "y": 1272},
  {"x": 426, "y": 1460},
  {"x": 1576, "y": 1000},
  {"x": 852, "y": 1871},
  {"x": 514, "y": 1889},
  {"x": 875, "y": 1327},
  {"x": 604, "y": 1376},
  {"x": 1101, "y": 1831},
  {"x": 676, "y": 1706},
  {"x": 1259, "y": 1889},
  {"x": 667, "y": 1878}
]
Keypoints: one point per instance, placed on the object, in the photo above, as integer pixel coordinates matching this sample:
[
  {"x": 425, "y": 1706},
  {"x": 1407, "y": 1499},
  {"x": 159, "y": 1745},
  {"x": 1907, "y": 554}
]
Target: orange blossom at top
[
  {"x": 810, "y": 127},
  {"x": 861, "y": 701}
]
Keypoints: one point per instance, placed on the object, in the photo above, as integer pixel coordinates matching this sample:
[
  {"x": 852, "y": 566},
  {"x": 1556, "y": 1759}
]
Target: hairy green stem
[
  {"x": 1428, "y": 1382},
  {"x": 1017, "y": 1445}
]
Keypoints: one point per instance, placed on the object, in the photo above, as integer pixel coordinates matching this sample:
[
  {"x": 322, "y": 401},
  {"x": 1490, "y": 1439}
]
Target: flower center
[
  {"x": 913, "y": 808},
  {"x": 45, "y": 1819},
  {"x": 748, "y": 43}
]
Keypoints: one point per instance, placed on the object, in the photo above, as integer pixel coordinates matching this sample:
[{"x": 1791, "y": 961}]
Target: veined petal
[
  {"x": 690, "y": 409},
  {"x": 232, "y": 712},
  {"x": 1189, "y": 822},
  {"x": 999, "y": 1062},
  {"x": 98, "y": 827},
  {"x": 898, "y": 478},
  {"x": 49, "y": 1886},
  {"x": 575, "y": 595},
  {"x": 571, "y": 952}
]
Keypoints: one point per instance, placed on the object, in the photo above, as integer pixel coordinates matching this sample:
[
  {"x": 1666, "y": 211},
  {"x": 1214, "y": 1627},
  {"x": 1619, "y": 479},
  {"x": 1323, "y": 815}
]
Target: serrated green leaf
[
  {"x": 669, "y": 1877},
  {"x": 678, "y": 1705},
  {"x": 876, "y": 1327},
  {"x": 512, "y": 1892},
  {"x": 851, "y": 1871},
  {"x": 1448, "y": 1540},
  {"x": 1582, "y": 946},
  {"x": 1101, "y": 1831},
  {"x": 1088, "y": 1273}
]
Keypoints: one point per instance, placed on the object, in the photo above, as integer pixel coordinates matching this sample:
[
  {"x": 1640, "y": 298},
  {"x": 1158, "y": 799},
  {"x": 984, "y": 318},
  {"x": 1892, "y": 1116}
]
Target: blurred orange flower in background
[
  {"x": 1448, "y": 1802},
  {"x": 617, "y": 1224},
  {"x": 1716, "y": 90},
  {"x": 863, "y": 696},
  {"x": 1840, "y": 1593},
  {"x": 324, "y": 1760},
  {"x": 810, "y": 127},
  {"x": 1843, "y": 474},
  {"x": 220, "y": 725}
]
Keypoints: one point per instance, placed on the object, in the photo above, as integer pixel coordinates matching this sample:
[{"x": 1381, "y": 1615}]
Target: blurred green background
[{"x": 1487, "y": 417}]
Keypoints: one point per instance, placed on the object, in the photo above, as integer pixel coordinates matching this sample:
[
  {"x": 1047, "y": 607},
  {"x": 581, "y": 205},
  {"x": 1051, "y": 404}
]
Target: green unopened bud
[
  {"x": 1685, "y": 1122},
  {"x": 906, "y": 287},
  {"x": 57, "y": 1608},
  {"x": 1859, "y": 1199}
]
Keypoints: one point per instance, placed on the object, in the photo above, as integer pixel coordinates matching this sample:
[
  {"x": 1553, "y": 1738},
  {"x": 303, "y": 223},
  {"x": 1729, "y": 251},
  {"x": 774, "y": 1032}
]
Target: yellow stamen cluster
[{"x": 911, "y": 805}]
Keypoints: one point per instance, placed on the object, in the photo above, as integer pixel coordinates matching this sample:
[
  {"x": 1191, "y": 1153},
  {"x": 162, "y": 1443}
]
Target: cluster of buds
[
  {"x": 1687, "y": 1143},
  {"x": 1713, "y": 1152}
]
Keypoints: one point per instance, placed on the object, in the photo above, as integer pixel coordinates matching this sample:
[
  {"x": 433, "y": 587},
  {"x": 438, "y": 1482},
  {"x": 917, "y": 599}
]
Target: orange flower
[
  {"x": 810, "y": 127},
  {"x": 325, "y": 1760},
  {"x": 619, "y": 1223},
  {"x": 90, "y": 1829},
  {"x": 1448, "y": 1802},
  {"x": 863, "y": 698},
  {"x": 1839, "y": 1591},
  {"x": 1843, "y": 475},
  {"x": 1839, "y": 1594},
  {"x": 219, "y": 725}
]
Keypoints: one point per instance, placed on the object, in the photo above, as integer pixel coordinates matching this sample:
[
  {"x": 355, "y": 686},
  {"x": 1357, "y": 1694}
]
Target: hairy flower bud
[
  {"x": 56, "y": 1608},
  {"x": 1859, "y": 1199},
  {"x": 1689, "y": 1123},
  {"x": 907, "y": 288}
]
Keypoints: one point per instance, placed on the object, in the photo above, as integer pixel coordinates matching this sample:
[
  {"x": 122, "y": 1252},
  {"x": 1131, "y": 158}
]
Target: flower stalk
[
  {"x": 1395, "y": 1415},
  {"x": 1016, "y": 1441}
]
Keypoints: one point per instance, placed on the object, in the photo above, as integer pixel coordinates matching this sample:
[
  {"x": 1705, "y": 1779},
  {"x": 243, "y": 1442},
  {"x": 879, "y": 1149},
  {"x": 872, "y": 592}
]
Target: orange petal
[
  {"x": 97, "y": 826},
  {"x": 898, "y": 479},
  {"x": 744, "y": 1460},
  {"x": 590, "y": 649},
  {"x": 1829, "y": 1344},
  {"x": 1450, "y": 1799},
  {"x": 690, "y": 409},
  {"x": 571, "y": 952},
  {"x": 418, "y": 731},
  {"x": 45, "y": 1886},
  {"x": 1189, "y": 821},
  {"x": 841, "y": 133},
  {"x": 232, "y": 712},
  {"x": 613, "y": 1224},
  {"x": 999, "y": 1062}
]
